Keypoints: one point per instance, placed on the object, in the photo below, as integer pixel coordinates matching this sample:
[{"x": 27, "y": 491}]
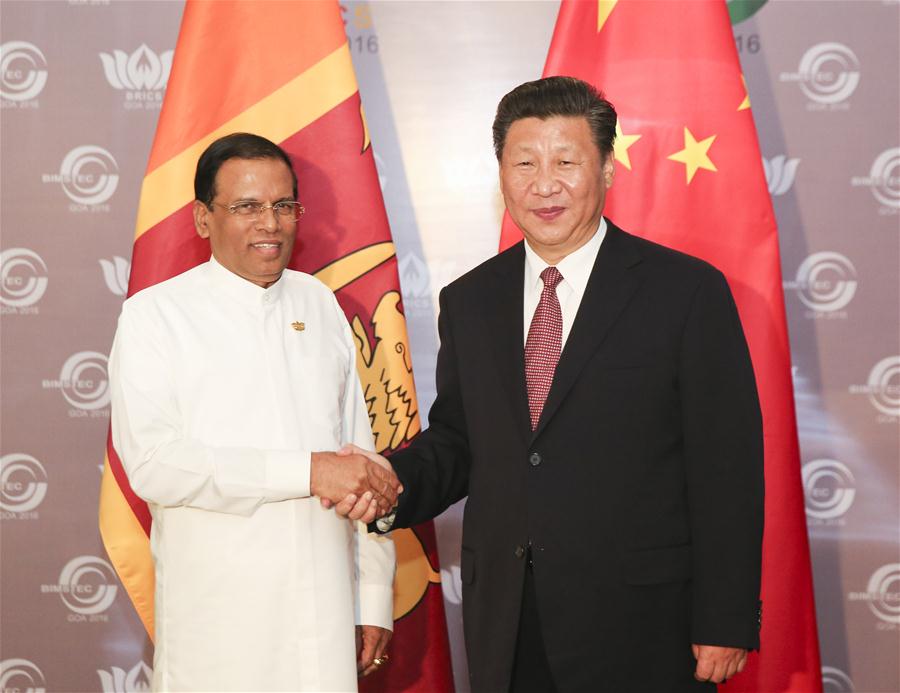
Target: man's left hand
[
  {"x": 371, "y": 645},
  {"x": 716, "y": 664}
]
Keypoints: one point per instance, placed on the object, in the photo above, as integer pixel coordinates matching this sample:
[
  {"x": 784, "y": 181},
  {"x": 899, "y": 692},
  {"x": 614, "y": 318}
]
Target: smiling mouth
[
  {"x": 267, "y": 248},
  {"x": 549, "y": 213}
]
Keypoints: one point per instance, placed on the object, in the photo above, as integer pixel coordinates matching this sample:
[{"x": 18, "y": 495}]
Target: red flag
[
  {"x": 302, "y": 94},
  {"x": 689, "y": 175}
]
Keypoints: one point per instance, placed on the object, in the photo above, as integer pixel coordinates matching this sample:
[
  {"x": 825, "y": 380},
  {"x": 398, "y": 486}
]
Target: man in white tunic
[{"x": 226, "y": 382}]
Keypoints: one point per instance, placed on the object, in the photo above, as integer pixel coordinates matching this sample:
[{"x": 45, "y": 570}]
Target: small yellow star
[
  {"x": 604, "y": 9},
  {"x": 622, "y": 143},
  {"x": 745, "y": 104},
  {"x": 694, "y": 155}
]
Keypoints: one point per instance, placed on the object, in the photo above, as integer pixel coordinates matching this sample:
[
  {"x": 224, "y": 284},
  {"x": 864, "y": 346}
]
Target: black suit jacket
[{"x": 641, "y": 491}]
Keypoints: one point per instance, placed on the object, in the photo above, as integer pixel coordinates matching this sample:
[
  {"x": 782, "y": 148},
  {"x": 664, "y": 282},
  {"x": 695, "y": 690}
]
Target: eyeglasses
[{"x": 285, "y": 210}]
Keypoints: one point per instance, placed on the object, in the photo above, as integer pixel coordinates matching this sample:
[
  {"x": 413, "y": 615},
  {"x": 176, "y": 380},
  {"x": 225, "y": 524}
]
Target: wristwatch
[{"x": 384, "y": 524}]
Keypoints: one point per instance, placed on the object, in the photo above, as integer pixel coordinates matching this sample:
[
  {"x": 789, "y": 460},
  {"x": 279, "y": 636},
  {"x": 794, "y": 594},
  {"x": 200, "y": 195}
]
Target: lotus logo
[
  {"x": 22, "y": 676},
  {"x": 883, "y": 178},
  {"x": 135, "y": 680},
  {"x": 780, "y": 173},
  {"x": 115, "y": 274},
  {"x": 89, "y": 175},
  {"x": 143, "y": 70},
  {"x": 23, "y": 483},
  {"x": 829, "y": 73},
  {"x": 835, "y": 681},
  {"x": 829, "y": 489},
  {"x": 825, "y": 282},
  {"x": 86, "y": 585},
  {"x": 84, "y": 381},
  {"x": 23, "y": 277},
  {"x": 23, "y": 71}
]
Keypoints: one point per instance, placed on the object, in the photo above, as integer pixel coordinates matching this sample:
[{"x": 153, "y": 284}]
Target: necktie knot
[{"x": 551, "y": 277}]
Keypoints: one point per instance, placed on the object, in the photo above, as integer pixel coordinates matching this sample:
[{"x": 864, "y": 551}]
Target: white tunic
[{"x": 217, "y": 403}]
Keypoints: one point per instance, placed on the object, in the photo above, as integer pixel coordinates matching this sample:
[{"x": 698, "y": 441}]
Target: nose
[
  {"x": 545, "y": 184},
  {"x": 267, "y": 219}
]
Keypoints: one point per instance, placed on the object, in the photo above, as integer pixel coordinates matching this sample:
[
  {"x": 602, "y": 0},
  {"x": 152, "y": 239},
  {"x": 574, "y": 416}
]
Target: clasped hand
[{"x": 358, "y": 484}]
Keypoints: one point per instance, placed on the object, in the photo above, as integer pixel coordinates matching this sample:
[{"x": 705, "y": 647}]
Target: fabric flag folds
[
  {"x": 689, "y": 175},
  {"x": 286, "y": 74}
]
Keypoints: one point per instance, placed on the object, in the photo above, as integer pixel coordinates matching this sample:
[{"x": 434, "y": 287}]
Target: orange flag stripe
[
  {"x": 128, "y": 546},
  {"x": 277, "y": 116},
  {"x": 238, "y": 78}
]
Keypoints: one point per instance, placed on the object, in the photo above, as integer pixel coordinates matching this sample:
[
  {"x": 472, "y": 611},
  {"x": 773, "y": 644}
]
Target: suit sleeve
[
  {"x": 434, "y": 468},
  {"x": 723, "y": 447},
  {"x": 163, "y": 465}
]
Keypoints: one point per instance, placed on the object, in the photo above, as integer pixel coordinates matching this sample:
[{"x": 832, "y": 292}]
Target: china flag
[
  {"x": 689, "y": 175},
  {"x": 301, "y": 93}
]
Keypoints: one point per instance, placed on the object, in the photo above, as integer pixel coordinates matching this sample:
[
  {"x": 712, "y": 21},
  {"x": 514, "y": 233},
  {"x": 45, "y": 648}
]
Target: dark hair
[
  {"x": 557, "y": 96},
  {"x": 237, "y": 145}
]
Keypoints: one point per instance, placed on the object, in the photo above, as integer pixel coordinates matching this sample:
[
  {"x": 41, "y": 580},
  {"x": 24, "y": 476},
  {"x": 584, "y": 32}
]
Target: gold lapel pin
[{"x": 299, "y": 326}]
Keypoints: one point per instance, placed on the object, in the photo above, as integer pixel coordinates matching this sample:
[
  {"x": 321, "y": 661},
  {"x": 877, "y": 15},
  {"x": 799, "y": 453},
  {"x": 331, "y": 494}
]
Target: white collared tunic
[{"x": 218, "y": 399}]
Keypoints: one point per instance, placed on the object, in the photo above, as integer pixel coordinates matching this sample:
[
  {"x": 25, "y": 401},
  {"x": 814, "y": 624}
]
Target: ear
[
  {"x": 609, "y": 170},
  {"x": 201, "y": 219}
]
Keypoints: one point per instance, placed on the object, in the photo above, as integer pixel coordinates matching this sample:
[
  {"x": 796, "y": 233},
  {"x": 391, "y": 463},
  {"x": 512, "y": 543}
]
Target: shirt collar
[
  {"x": 241, "y": 290},
  {"x": 575, "y": 267}
]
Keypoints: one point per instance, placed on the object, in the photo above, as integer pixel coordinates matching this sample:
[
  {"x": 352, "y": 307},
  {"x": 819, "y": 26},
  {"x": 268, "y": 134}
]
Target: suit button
[
  {"x": 520, "y": 551},
  {"x": 534, "y": 459}
]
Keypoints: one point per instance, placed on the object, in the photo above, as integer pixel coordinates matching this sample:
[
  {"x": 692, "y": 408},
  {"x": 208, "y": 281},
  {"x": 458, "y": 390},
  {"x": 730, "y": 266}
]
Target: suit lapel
[
  {"x": 610, "y": 287},
  {"x": 503, "y": 304}
]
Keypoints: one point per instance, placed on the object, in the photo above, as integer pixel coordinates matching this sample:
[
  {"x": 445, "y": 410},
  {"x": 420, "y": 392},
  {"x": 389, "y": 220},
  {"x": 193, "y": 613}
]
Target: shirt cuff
[
  {"x": 376, "y": 606},
  {"x": 287, "y": 474}
]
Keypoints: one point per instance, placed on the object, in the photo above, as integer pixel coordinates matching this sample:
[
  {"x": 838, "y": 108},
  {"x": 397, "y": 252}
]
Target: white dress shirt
[
  {"x": 575, "y": 269},
  {"x": 217, "y": 403}
]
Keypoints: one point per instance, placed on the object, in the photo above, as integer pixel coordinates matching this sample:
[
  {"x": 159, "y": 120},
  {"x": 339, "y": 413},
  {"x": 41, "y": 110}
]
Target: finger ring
[{"x": 378, "y": 661}]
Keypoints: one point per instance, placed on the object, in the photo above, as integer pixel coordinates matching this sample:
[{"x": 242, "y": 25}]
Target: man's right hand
[{"x": 337, "y": 478}]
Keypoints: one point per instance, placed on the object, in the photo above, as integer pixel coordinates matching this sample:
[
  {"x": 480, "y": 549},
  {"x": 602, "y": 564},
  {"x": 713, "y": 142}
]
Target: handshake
[{"x": 358, "y": 484}]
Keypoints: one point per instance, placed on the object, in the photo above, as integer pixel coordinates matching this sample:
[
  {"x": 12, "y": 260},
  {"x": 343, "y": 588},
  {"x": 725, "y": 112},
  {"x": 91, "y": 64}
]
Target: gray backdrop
[{"x": 81, "y": 83}]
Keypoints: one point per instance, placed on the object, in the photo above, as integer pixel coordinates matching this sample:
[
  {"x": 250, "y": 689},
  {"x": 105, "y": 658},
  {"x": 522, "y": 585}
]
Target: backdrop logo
[
  {"x": 21, "y": 676},
  {"x": 23, "y": 74},
  {"x": 883, "y": 596},
  {"x": 884, "y": 180},
  {"x": 830, "y": 491},
  {"x": 89, "y": 176},
  {"x": 828, "y": 74},
  {"x": 84, "y": 384},
  {"x": 835, "y": 681},
  {"x": 825, "y": 283},
  {"x": 115, "y": 274},
  {"x": 142, "y": 75},
  {"x": 23, "y": 485},
  {"x": 23, "y": 280},
  {"x": 135, "y": 680},
  {"x": 883, "y": 388},
  {"x": 87, "y": 586},
  {"x": 780, "y": 173}
]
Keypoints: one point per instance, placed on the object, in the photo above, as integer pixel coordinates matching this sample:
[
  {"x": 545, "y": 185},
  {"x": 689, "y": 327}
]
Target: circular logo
[
  {"x": 87, "y": 585},
  {"x": 89, "y": 175},
  {"x": 884, "y": 386},
  {"x": 826, "y": 281},
  {"x": 23, "y": 277},
  {"x": 885, "y": 175},
  {"x": 23, "y": 483},
  {"x": 829, "y": 489},
  {"x": 21, "y": 675},
  {"x": 85, "y": 384},
  {"x": 884, "y": 590},
  {"x": 835, "y": 681},
  {"x": 829, "y": 73},
  {"x": 23, "y": 71}
]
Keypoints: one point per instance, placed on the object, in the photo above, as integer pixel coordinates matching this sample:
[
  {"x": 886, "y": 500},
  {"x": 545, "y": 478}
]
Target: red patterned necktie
[{"x": 543, "y": 345}]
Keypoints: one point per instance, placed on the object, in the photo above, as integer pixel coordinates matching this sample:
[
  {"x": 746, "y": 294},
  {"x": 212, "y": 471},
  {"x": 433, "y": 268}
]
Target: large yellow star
[
  {"x": 694, "y": 155},
  {"x": 622, "y": 143},
  {"x": 745, "y": 104},
  {"x": 604, "y": 9}
]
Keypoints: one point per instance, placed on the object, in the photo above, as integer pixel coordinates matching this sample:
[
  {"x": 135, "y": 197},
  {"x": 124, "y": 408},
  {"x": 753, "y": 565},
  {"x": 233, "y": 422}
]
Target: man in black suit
[{"x": 597, "y": 405}]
